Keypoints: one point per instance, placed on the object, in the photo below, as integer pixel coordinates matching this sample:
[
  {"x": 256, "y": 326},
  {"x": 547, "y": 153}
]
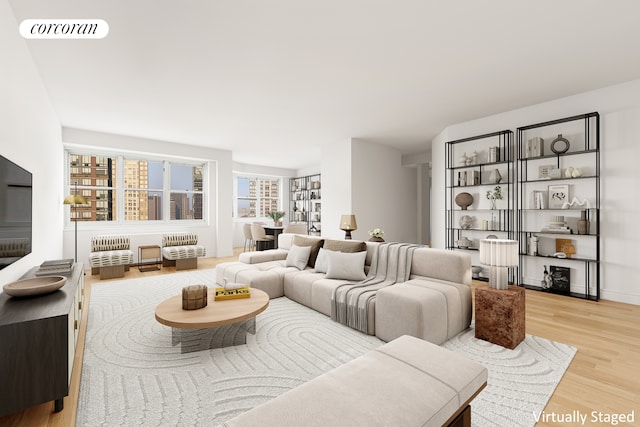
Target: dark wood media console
[{"x": 38, "y": 338}]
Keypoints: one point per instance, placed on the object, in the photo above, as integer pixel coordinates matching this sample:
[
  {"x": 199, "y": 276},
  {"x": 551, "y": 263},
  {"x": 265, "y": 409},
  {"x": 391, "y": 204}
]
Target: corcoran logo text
[{"x": 64, "y": 29}]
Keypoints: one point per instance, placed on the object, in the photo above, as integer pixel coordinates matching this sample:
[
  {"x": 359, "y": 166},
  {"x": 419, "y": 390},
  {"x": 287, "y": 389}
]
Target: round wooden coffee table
[{"x": 236, "y": 315}]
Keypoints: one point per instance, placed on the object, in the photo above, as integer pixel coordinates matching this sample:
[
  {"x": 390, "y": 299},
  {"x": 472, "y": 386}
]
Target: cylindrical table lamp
[{"x": 499, "y": 255}]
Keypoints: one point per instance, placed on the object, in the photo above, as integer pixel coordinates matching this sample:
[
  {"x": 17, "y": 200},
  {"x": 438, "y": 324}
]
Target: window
[
  {"x": 256, "y": 196},
  {"x": 143, "y": 182},
  {"x": 186, "y": 192},
  {"x": 123, "y": 189}
]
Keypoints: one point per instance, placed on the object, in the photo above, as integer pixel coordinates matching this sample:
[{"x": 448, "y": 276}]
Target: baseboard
[{"x": 620, "y": 297}]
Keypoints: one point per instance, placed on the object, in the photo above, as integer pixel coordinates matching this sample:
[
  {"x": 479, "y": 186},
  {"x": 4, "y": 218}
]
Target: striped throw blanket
[{"x": 391, "y": 264}]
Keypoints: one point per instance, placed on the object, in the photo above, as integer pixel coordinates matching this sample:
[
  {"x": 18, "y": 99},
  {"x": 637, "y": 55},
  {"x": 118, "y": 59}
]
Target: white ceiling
[{"x": 274, "y": 80}]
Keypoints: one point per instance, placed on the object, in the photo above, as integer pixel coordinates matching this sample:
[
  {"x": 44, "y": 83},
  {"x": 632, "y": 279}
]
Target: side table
[
  {"x": 149, "y": 252},
  {"x": 500, "y": 315}
]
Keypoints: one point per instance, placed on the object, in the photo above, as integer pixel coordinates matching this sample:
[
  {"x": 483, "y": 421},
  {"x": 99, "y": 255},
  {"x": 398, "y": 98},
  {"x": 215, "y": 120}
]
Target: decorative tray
[{"x": 34, "y": 286}]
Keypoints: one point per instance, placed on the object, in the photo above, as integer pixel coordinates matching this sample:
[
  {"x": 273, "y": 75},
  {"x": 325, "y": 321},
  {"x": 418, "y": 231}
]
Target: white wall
[
  {"x": 336, "y": 187},
  {"x": 383, "y": 192},
  {"x": 422, "y": 163},
  {"x": 619, "y": 108},
  {"x": 369, "y": 181},
  {"x": 30, "y": 137},
  {"x": 216, "y": 235}
]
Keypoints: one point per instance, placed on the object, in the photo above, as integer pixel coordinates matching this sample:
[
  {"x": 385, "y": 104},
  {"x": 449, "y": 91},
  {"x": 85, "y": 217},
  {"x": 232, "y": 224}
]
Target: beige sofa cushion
[
  {"x": 344, "y": 245},
  {"x": 256, "y": 257},
  {"x": 428, "y": 309},
  {"x": 315, "y": 244},
  {"x": 346, "y": 266},
  {"x": 429, "y": 262},
  {"x": 298, "y": 257}
]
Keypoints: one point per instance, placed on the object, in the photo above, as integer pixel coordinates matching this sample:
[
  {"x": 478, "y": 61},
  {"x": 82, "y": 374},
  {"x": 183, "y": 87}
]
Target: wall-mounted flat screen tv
[{"x": 15, "y": 212}]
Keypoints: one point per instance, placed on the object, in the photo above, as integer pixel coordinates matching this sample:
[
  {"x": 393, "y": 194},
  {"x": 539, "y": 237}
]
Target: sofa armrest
[{"x": 255, "y": 257}]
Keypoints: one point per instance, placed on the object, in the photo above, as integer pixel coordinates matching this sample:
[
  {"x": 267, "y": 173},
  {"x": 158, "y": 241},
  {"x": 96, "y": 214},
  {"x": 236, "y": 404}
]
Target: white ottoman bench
[
  {"x": 407, "y": 382},
  {"x": 181, "y": 250},
  {"x": 429, "y": 309}
]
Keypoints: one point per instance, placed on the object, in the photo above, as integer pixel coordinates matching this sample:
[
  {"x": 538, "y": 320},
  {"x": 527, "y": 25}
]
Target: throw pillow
[
  {"x": 322, "y": 262},
  {"x": 345, "y": 245},
  {"x": 315, "y": 245},
  {"x": 298, "y": 257},
  {"x": 346, "y": 266}
]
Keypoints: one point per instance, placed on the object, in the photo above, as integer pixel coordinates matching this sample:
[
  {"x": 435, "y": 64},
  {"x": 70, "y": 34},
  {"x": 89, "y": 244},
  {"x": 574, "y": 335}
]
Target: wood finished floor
[{"x": 604, "y": 376}]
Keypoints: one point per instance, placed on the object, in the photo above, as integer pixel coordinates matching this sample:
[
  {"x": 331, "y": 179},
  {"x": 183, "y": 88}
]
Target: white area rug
[{"x": 132, "y": 375}]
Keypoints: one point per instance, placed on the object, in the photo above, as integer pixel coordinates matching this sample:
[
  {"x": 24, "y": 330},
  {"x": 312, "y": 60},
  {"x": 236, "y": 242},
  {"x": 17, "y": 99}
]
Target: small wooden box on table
[{"x": 500, "y": 315}]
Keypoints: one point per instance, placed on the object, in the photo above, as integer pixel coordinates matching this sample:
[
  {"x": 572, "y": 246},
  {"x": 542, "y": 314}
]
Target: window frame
[
  {"x": 120, "y": 188},
  {"x": 259, "y": 178}
]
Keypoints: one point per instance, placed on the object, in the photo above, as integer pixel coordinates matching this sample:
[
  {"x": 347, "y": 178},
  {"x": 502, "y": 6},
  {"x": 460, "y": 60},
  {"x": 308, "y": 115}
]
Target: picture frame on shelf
[
  {"x": 566, "y": 246},
  {"x": 558, "y": 195},
  {"x": 561, "y": 278}
]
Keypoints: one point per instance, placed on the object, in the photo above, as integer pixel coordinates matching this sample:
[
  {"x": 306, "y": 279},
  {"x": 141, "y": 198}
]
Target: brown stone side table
[{"x": 500, "y": 315}]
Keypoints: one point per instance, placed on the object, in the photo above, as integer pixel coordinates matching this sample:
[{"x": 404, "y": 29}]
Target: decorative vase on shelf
[
  {"x": 583, "y": 223},
  {"x": 464, "y": 200},
  {"x": 466, "y": 222},
  {"x": 376, "y": 239},
  {"x": 492, "y": 203},
  {"x": 533, "y": 245},
  {"x": 464, "y": 243},
  {"x": 495, "y": 177}
]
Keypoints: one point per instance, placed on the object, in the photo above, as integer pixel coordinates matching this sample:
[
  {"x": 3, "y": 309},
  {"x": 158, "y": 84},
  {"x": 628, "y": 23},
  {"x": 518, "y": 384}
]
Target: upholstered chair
[
  {"x": 260, "y": 238},
  {"x": 181, "y": 250},
  {"x": 248, "y": 237},
  {"x": 110, "y": 256}
]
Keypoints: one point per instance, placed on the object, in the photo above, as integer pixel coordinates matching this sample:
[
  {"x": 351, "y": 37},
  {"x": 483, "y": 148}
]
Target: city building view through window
[
  {"x": 145, "y": 187},
  {"x": 256, "y": 196}
]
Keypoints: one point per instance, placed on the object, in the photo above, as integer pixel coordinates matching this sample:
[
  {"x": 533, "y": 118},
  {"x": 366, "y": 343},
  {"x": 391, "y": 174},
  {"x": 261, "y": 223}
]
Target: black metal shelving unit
[
  {"x": 306, "y": 202},
  {"x": 492, "y": 151},
  {"x": 582, "y": 267}
]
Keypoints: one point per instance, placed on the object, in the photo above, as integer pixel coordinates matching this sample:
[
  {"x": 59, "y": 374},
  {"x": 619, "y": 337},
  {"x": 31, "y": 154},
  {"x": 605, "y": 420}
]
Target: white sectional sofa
[{"x": 434, "y": 304}]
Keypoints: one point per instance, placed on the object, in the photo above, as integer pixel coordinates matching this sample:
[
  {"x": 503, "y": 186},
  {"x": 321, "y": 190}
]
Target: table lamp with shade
[
  {"x": 348, "y": 224},
  {"x": 74, "y": 200},
  {"x": 499, "y": 255}
]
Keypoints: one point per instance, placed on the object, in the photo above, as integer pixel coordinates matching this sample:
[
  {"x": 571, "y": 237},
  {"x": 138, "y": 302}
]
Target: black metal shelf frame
[
  {"x": 505, "y": 217},
  {"x": 590, "y": 146}
]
